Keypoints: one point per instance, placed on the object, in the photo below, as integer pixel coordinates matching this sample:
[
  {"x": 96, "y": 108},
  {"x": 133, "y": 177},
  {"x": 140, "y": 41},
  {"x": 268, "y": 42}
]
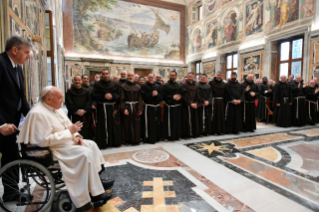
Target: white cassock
[{"x": 47, "y": 127}]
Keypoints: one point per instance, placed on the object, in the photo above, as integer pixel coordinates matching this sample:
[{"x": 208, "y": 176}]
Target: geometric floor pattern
[{"x": 287, "y": 163}]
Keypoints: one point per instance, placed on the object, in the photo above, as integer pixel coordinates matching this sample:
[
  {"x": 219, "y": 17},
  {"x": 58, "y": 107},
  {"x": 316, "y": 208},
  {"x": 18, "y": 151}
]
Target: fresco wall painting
[
  {"x": 31, "y": 8},
  {"x": 258, "y": 17},
  {"x": 121, "y": 28},
  {"x": 17, "y": 7},
  {"x": 15, "y": 28},
  {"x": 314, "y": 58},
  {"x": 229, "y": 28},
  {"x": 197, "y": 41},
  {"x": 254, "y": 17},
  {"x": 211, "y": 38}
]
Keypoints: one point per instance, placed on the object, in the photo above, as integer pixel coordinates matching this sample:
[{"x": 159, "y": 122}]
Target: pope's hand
[
  {"x": 126, "y": 112},
  {"x": 79, "y": 141},
  {"x": 76, "y": 127},
  {"x": 7, "y": 129}
]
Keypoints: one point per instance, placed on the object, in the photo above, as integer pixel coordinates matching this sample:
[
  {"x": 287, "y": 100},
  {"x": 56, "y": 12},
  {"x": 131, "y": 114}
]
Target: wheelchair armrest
[{"x": 45, "y": 156}]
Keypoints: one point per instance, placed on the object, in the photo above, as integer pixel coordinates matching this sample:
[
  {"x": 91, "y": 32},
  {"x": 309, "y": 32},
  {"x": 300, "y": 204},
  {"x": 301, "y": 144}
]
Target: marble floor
[{"x": 273, "y": 169}]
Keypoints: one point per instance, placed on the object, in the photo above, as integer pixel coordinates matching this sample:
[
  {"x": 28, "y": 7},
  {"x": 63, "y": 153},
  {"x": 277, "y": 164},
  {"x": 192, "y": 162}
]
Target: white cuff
[{"x": 3, "y": 125}]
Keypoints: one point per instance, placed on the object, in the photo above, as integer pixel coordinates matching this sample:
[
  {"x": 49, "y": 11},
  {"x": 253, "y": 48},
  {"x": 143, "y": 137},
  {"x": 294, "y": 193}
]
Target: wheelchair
[{"x": 39, "y": 181}]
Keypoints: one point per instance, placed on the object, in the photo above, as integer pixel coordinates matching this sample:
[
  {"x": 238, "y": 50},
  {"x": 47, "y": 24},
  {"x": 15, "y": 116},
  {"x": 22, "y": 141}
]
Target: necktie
[{"x": 18, "y": 81}]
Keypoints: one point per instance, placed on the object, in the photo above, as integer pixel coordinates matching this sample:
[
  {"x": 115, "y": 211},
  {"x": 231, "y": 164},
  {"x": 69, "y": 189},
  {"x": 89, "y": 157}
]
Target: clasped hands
[
  {"x": 177, "y": 97},
  {"x": 108, "y": 96},
  {"x": 80, "y": 112},
  {"x": 127, "y": 113},
  {"x": 236, "y": 101}
]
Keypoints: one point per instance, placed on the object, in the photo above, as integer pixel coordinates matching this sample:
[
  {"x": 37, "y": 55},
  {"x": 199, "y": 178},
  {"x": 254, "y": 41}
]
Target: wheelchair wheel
[
  {"x": 18, "y": 190},
  {"x": 63, "y": 203},
  {"x": 57, "y": 175}
]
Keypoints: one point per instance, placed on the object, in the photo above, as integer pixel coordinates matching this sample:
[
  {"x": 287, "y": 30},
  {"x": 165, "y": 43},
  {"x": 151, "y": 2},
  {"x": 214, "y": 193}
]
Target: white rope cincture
[
  {"x": 169, "y": 116},
  {"x": 105, "y": 119},
  {"x": 145, "y": 114}
]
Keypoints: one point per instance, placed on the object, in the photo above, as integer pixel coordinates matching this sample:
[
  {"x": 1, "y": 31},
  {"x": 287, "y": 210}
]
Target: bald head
[{"x": 53, "y": 97}]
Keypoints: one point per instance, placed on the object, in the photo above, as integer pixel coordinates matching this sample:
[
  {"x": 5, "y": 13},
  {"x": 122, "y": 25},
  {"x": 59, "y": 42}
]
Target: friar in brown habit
[
  {"x": 132, "y": 107},
  {"x": 218, "y": 106},
  {"x": 191, "y": 102}
]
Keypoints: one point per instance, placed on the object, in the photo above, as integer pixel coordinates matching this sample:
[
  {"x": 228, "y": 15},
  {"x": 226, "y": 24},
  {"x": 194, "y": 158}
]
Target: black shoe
[
  {"x": 104, "y": 197},
  {"x": 17, "y": 198},
  {"x": 107, "y": 183}
]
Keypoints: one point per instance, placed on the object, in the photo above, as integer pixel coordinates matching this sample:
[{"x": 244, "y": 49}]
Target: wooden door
[
  {"x": 142, "y": 72},
  {"x": 92, "y": 75}
]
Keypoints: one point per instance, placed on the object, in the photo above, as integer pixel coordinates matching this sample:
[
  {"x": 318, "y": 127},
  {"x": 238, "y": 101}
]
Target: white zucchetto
[{"x": 46, "y": 90}]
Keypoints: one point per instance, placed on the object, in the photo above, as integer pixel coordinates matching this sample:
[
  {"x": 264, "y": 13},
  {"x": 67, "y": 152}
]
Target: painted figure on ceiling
[{"x": 230, "y": 27}]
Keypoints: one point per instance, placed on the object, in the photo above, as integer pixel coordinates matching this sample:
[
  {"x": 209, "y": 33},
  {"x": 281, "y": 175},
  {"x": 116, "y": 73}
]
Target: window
[
  {"x": 200, "y": 12},
  {"x": 198, "y": 69},
  {"x": 290, "y": 57},
  {"x": 197, "y": 12},
  {"x": 231, "y": 64}
]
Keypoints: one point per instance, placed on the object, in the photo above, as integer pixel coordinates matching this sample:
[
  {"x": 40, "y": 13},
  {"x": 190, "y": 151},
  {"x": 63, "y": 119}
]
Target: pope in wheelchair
[{"x": 80, "y": 160}]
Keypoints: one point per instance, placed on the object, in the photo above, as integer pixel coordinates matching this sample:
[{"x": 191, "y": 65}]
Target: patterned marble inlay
[
  {"x": 150, "y": 156},
  {"x": 308, "y": 189},
  {"x": 260, "y": 140},
  {"x": 149, "y": 190},
  {"x": 304, "y": 157},
  {"x": 310, "y": 132},
  {"x": 214, "y": 191},
  {"x": 268, "y": 153}
]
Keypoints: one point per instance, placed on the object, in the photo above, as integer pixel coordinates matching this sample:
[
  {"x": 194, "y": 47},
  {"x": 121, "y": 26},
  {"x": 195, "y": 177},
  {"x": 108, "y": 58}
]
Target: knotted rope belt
[
  {"x": 299, "y": 97},
  {"x": 311, "y": 102},
  {"x": 265, "y": 97},
  {"x": 226, "y": 112},
  {"x": 131, "y": 105},
  {"x": 105, "y": 118},
  {"x": 169, "y": 116},
  {"x": 190, "y": 120},
  {"x": 145, "y": 113},
  {"x": 213, "y": 102}
]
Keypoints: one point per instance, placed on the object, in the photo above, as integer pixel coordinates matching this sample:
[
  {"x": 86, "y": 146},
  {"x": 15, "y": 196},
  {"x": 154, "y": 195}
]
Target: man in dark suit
[{"x": 13, "y": 103}]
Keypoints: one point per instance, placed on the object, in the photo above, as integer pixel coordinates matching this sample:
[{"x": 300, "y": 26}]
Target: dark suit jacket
[{"x": 10, "y": 93}]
